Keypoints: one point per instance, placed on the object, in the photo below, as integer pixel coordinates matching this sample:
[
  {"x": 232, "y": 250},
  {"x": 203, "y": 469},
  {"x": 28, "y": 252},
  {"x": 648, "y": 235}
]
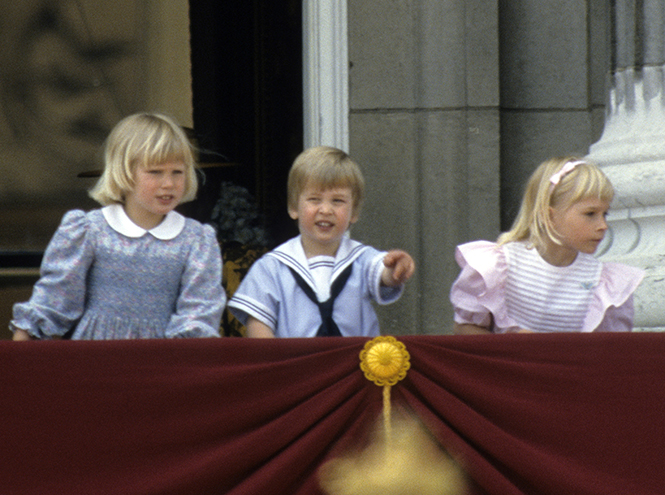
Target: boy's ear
[{"x": 293, "y": 214}]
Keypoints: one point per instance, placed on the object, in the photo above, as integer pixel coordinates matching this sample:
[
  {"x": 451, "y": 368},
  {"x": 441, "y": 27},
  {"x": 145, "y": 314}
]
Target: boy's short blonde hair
[
  {"x": 141, "y": 140},
  {"x": 533, "y": 223},
  {"x": 325, "y": 167}
]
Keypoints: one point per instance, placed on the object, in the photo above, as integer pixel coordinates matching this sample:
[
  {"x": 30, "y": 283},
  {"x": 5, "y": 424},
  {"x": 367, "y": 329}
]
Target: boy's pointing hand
[{"x": 399, "y": 267}]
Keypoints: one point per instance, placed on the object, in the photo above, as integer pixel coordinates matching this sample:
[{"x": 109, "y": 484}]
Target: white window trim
[{"x": 325, "y": 74}]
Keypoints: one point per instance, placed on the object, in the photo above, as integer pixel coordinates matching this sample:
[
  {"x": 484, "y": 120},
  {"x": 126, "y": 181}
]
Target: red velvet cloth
[{"x": 526, "y": 414}]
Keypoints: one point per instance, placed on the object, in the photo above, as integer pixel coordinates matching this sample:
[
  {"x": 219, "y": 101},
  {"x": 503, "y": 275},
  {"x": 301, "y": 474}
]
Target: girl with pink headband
[{"x": 541, "y": 275}]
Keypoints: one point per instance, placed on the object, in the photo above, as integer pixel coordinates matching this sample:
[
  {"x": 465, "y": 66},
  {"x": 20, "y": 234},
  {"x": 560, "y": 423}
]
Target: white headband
[{"x": 565, "y": 170}]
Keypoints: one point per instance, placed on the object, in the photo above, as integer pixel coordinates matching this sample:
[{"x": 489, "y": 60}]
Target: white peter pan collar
[{"x": 168, "y": 229}]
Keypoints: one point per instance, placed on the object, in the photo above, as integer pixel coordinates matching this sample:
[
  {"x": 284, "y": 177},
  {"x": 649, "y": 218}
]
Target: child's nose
[
  {"x": 603, "y": 224},
  {"x": 167, "y": 181}
]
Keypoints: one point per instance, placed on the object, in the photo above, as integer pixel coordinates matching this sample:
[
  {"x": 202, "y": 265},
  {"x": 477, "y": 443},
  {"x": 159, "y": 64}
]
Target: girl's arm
[
  {"x": 201, "y": 299},
  {"x": 257, "y": 329},
  {"x": 58, "y": 297},
  {"x": 469, "y": 329}
]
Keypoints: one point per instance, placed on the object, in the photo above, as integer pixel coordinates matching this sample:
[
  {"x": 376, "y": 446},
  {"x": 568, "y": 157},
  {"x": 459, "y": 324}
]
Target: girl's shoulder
[
  {"x": 201, "y": 236},
  {"x": 194, "y": 227},
  {"x": 484, "y": 270},
  {"x": 482, "y": 256},
  {"x": 76, "y": 222},
  {"x": 478, "y": 291},
  {"x": 618, "y": 282},
  {"x": 611, "y": 308},
  {"x": 79, "y": 216},
  {"x": 195, "y": 232}
]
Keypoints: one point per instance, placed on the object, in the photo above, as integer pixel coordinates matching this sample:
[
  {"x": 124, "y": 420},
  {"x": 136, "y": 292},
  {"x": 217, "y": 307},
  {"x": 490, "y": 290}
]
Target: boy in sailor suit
[{"x": 321, "y": 283}]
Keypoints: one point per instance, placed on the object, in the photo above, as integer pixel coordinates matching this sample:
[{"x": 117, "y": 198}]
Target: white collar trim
[
  {"x": 168, "y": 229},
  {"x": 292, "y": 254}
]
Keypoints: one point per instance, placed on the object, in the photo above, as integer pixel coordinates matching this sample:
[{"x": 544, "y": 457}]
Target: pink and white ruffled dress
[{"x": 510, "y": 287}]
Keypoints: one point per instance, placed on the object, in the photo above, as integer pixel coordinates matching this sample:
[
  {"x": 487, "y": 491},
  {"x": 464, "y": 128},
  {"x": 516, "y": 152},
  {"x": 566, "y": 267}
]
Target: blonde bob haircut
[
  {"x": 324, "y": 167},
  {"x": 142, "y": 140},
  {"x": 533, "y": 223}
]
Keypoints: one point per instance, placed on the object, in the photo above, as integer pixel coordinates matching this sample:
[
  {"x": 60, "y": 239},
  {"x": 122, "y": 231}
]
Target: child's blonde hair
[
  {"x": 141, "y": 140},
  {"x": 533, "y": 223},
  {"x": 325, "y": 167}
]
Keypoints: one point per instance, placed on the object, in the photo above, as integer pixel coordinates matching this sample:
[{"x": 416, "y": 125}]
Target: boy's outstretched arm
[{"x": 399, "y": 266}]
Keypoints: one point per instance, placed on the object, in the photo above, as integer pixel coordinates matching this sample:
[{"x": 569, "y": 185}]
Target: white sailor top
[
  {"x": 510, "y": 287},
  {"x": 270, "y": 293}
]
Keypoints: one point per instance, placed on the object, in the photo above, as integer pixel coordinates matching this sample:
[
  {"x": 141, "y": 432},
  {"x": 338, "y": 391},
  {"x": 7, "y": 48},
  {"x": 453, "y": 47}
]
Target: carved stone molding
[{"x": 632, "y": 154}]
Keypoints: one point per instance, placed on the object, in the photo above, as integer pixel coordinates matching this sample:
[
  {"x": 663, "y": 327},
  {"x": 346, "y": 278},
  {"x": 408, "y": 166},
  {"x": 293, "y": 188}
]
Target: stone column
[
  {"x": 631, "y": 151},
  {"x": 325, "y": 74}
]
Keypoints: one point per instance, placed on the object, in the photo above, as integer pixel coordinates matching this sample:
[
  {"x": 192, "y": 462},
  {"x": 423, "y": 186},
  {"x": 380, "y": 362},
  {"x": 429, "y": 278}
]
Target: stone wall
[
  {"x": 452, "y": 106},
  {"x": 424, "y": 126}
]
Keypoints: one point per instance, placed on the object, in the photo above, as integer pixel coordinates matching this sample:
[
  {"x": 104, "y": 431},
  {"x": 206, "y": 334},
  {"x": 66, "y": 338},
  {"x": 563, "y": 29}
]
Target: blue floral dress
[{"x": 103, "y": 277}]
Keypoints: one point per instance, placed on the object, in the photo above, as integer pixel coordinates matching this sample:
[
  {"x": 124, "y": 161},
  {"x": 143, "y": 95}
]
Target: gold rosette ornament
[{"x": 385, "y": 361}]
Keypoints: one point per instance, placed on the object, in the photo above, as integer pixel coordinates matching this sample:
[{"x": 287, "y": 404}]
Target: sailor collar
[
  {"x": 118, "y": 220},
  {"x": 292, "y": 254}
]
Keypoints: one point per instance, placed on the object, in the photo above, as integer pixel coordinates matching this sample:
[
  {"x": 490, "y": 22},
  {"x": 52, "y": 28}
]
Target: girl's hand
[
  {"x": 21, "y": 335},
  {"x": 399, "y": 267}
]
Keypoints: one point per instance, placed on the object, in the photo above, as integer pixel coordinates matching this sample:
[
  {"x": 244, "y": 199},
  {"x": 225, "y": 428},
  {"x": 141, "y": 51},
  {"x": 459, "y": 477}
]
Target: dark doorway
[{"x": 247, "y": 99}]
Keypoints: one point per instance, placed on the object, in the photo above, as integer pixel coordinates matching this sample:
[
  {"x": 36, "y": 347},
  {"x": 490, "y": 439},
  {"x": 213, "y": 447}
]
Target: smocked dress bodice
[{"x": 103, "y": 277}]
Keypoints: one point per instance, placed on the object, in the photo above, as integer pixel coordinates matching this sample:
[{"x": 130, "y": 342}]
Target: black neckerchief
[{"x": 328, "y": 326}]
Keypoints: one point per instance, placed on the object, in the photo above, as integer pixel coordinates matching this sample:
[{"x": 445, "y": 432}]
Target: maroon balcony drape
[{"x": 525, "y": 414}]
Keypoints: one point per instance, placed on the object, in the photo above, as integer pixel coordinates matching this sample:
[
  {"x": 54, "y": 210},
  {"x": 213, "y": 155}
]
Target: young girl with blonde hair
[
  {"x": 134, "y": 268},
  {"x": 541, "y": 276}
]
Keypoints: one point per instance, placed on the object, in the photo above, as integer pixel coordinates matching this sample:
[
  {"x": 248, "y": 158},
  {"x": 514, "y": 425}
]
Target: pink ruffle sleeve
[
  {"x": 477, "y": 295},
  {"x": 611, "y": 308}
]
